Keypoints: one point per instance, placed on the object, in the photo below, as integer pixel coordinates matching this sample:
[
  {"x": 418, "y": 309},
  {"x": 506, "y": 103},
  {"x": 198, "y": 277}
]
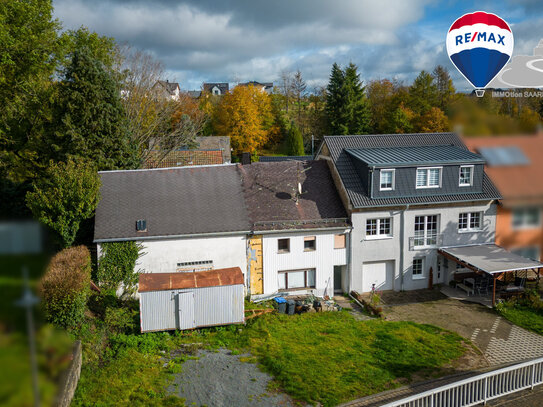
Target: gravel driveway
[{"x": 222, "y": 379}]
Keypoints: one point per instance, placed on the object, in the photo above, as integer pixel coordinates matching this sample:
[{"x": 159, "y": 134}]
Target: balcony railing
[{"x": 425, "y": 242}]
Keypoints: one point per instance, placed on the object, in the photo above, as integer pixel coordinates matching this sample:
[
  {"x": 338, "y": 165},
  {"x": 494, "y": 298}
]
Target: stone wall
[{"x": 70, "y": 378}]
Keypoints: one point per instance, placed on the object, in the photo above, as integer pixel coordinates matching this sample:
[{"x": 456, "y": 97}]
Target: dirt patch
[{"x": 222, "y": 379}]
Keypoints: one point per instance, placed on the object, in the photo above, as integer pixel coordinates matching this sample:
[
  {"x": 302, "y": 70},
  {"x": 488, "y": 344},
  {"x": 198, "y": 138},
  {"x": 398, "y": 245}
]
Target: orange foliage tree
[{"x": 245, "y": 115}]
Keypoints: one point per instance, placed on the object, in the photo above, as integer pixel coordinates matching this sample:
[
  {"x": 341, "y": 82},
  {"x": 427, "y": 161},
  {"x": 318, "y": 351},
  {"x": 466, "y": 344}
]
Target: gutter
[
  {"x": 284, "y": 231},
  {"x": 195, "y": 236},
  {"x": 391, "y": 205}
]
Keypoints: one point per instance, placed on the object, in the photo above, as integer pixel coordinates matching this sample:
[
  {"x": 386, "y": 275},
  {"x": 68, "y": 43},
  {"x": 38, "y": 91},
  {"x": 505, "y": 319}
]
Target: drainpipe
[
  {"x": 371, "y": 182},
  {"x": 402, "y": 243}
]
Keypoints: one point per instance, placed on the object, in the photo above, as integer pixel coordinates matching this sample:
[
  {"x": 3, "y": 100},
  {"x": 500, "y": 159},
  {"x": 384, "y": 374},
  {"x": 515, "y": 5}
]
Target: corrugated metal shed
[
  {"x": 419, "y": 155},
  {"x": 190, "y": 300},
  {"x": 358, "y": 196}
]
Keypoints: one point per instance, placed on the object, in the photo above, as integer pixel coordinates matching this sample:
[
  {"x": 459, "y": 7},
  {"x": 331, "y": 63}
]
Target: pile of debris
[{"x": 308, "y": 303}]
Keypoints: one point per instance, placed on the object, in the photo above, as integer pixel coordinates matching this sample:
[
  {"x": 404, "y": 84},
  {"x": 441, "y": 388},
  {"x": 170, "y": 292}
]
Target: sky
[{"x": 242, "y": 40}]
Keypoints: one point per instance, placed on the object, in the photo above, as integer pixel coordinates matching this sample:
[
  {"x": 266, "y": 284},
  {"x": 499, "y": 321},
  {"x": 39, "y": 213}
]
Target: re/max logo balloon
[
  {"x": 479, "y": 44},
  {"x": 467, "y": 37}
]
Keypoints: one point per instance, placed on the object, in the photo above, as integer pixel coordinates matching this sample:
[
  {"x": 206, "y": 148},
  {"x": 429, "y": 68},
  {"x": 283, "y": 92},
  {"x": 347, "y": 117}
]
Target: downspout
[
  {"x": 371, "y": 182},
  {"x": 402, "y": 244}
]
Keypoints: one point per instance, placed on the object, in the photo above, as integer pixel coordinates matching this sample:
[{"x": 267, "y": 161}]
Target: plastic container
[
  {"x": 291, "y": 305},
  {"x": 281, "y": 305}
]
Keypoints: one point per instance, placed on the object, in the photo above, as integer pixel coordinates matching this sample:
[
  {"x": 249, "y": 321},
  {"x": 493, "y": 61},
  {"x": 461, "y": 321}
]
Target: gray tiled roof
[
  {"x": 418, "y": 155},
  {"x": 275, "y": 158},
  {"x": 174, "y": 201},
  {"x": 358, "y": 196}
]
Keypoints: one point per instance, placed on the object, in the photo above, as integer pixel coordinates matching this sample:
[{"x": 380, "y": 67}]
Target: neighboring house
[
  {"x": 167, "y": 89},
  {"x": 300, "y": 233},
  {"x": 207, "y": 151},
  {"x": 515, "y": 165},
  {"x": 274, "y": 158},
  {"x": 187, "y": 219},
  {"x": 217, "y": 89},
  {"x": 265, "y": 87},
  {"x": 408, "y": 195}
]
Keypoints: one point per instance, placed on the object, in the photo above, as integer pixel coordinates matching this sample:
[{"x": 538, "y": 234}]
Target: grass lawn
[
  {"x": 523, "y": 316},
  {"x": 326, "y": 357}
]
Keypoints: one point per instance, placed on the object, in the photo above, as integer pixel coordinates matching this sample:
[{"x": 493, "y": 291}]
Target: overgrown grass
[{"x": 523, "y": 316}]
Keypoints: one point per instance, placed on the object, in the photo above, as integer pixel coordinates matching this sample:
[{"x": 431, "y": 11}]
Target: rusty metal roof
[{"x": 177, "y": 281}]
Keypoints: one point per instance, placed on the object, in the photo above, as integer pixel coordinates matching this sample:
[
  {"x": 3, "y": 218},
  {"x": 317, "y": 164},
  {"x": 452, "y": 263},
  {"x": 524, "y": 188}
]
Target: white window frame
[
  {"x": 426, "y": 236},
  {"x": 420, "y": 276},
  {"x": 524, "y": 225},
  {"x": 472, "y": 169},
  {"x": 469, "y": 228},
  {"x": 379, "y": 235},
  {"x": 427, "y": 169},
  {"x": 284, "y": 274},
  {"x": 391, "y": 170}
]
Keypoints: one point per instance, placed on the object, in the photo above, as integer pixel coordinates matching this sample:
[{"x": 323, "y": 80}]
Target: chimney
[{"x": 245, "y": 158}]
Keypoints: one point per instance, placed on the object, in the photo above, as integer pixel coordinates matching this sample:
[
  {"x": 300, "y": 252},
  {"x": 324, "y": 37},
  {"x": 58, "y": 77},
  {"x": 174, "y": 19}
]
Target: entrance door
[
  {"x": 338, "y": 279},
  {"x": 185, "y": 308},
  {"x": 379, "y": 273}
]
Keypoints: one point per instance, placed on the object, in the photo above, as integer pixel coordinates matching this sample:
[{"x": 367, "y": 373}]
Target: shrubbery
[
  {"x": 65, "y": 286},
  {"x": 116, "y": 265}
]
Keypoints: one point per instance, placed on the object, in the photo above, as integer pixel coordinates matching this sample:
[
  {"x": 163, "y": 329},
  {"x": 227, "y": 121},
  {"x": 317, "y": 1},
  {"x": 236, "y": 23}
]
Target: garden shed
[{"x": 191, "y": 300}]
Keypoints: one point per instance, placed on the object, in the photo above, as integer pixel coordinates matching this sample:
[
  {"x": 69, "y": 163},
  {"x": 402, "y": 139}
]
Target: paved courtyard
[{"x": 500, "y": 341}]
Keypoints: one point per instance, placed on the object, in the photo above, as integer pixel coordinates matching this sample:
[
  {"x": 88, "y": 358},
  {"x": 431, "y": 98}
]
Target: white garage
[{"x": 379, "y": 273}]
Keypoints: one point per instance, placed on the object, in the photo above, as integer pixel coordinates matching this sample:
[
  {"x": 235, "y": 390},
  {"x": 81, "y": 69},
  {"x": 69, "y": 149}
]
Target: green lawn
[
  {"x": 326, "y": 357},
  {"x": 523, "y": 316}
]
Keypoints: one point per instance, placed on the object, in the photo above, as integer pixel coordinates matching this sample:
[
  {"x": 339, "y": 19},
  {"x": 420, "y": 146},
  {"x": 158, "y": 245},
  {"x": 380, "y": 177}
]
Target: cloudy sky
[{"x": 240, "y": 40}]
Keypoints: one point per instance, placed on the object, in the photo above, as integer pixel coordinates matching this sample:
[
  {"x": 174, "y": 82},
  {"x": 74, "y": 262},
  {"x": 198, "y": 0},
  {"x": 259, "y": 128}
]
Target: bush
[
  {"x": 65, "y": 287},
  {"x": 120, "y": 320},
  {"x": 116, "y": 265}
]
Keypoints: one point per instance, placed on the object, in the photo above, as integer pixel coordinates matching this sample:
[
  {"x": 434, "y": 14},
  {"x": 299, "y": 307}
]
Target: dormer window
[
  {"x": 466, "y": 176},
  {"x": 387, "y": 180},
  {"x": 429, "y": 177},
  {"x": 141, "y": 225}
]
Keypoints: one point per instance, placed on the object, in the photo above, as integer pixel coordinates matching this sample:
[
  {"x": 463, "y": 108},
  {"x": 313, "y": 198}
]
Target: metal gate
[{"x": 185, "y": 310}]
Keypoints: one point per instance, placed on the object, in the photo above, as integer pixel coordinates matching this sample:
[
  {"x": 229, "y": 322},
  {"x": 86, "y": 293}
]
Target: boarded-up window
[{"x": 339, "y": 241}]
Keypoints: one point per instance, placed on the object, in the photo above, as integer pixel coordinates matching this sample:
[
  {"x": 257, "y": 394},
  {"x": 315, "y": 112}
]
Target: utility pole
[{"x": 28, "y": 301}]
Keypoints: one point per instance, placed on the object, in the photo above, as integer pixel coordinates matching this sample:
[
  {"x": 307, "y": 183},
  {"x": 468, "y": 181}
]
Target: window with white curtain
[
  {"x": 296, "y": 279},
  {"x": 428, "y": 177}
]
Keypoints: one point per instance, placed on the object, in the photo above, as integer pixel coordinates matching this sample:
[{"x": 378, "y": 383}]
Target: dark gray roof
[
  {"x": 274, "y": 158},
  {"x": 417, "y": 155},
  {"x": 174, "y": 201},
  {"x": 169, "y": 86},
  {"x": 223, "y": 86},
  {"x": 337, "y": 145}
]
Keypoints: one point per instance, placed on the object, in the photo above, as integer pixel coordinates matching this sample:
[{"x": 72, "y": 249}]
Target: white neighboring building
[
  {"x": 300, "y": 232},
  {"x": 407, "y": 196},
  {"x": 186, "y": 218}
]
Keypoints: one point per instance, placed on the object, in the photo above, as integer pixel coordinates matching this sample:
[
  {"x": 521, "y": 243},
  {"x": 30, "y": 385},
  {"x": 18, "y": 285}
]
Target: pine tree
[
  {"x": 335, "y": 100},
  {"x": 423, "y": 94},
  {"x": 295, "y": 141},
  {"x": 89, "y": 118},
  {"x": 444, "y": 85}
]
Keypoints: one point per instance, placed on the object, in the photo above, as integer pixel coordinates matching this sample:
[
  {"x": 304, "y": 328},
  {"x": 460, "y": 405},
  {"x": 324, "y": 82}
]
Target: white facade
[
  {"x": 387, "y": 261},
  {"x": 322, "y": 259},
  {"x": 164, "y": 255}
]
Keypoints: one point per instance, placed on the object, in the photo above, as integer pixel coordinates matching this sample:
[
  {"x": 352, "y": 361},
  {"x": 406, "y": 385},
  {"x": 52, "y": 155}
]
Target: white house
[
  {"x": 407, "y": 196},
  {"x": 186, "y": 218},
  {"x": 299, "y": 229}
]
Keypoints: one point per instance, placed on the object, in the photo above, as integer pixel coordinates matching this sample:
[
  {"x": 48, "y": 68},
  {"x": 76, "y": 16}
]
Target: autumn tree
[
  {"x": 422, "y": 94},
  {"x": 245, "y": 115},
  {"x": 444, "y": 87},
  {"x": 433, "y": 121},
  {"x": 298, "y": 87}
]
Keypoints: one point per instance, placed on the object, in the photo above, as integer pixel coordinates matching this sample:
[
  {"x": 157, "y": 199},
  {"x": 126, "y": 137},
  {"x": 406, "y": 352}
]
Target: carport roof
[{"x": 490, "y": 258}]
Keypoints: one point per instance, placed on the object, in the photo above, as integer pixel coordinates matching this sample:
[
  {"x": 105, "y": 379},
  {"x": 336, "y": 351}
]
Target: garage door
[{"x": 379, "y": 273}]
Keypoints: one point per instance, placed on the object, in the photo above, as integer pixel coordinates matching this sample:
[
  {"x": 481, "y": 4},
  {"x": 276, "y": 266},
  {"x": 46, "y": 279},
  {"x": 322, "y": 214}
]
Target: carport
[{"x": 491, "y": 259}]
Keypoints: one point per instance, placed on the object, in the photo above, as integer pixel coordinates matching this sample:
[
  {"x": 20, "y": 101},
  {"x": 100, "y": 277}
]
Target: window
[
  {"x": 296, "y": 279},
  {"x": 283, "y": 246},
  {"x": 141, "y": 225},
  {"x": 310, "y": 243},
  {"x": 428, "y": 177},
  {"x": 425, "y": 231},
  {"x": 418, "y": 268},
  {"x": 466, "y": 176},
  {"x": 201, "y": 265},
  {"x": 524, "y": 218},
  {"x": 387, "y": 180},
  {"x": 470, "y": 221},
  {"x": 528, "y": 252},
  {"x": 378, "y": 228},
  {"x": 339, "y": 241}
]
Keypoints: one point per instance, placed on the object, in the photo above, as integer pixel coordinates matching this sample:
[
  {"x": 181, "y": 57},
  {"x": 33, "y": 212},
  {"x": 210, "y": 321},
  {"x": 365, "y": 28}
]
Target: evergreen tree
[
  {"x": 347, "y": 107},
  {"x": 295, "y": 141},
  {"x": 423, "y": 94},
  {"x": 89, "y": 119},
  {"x": 444, "y": 85}
]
